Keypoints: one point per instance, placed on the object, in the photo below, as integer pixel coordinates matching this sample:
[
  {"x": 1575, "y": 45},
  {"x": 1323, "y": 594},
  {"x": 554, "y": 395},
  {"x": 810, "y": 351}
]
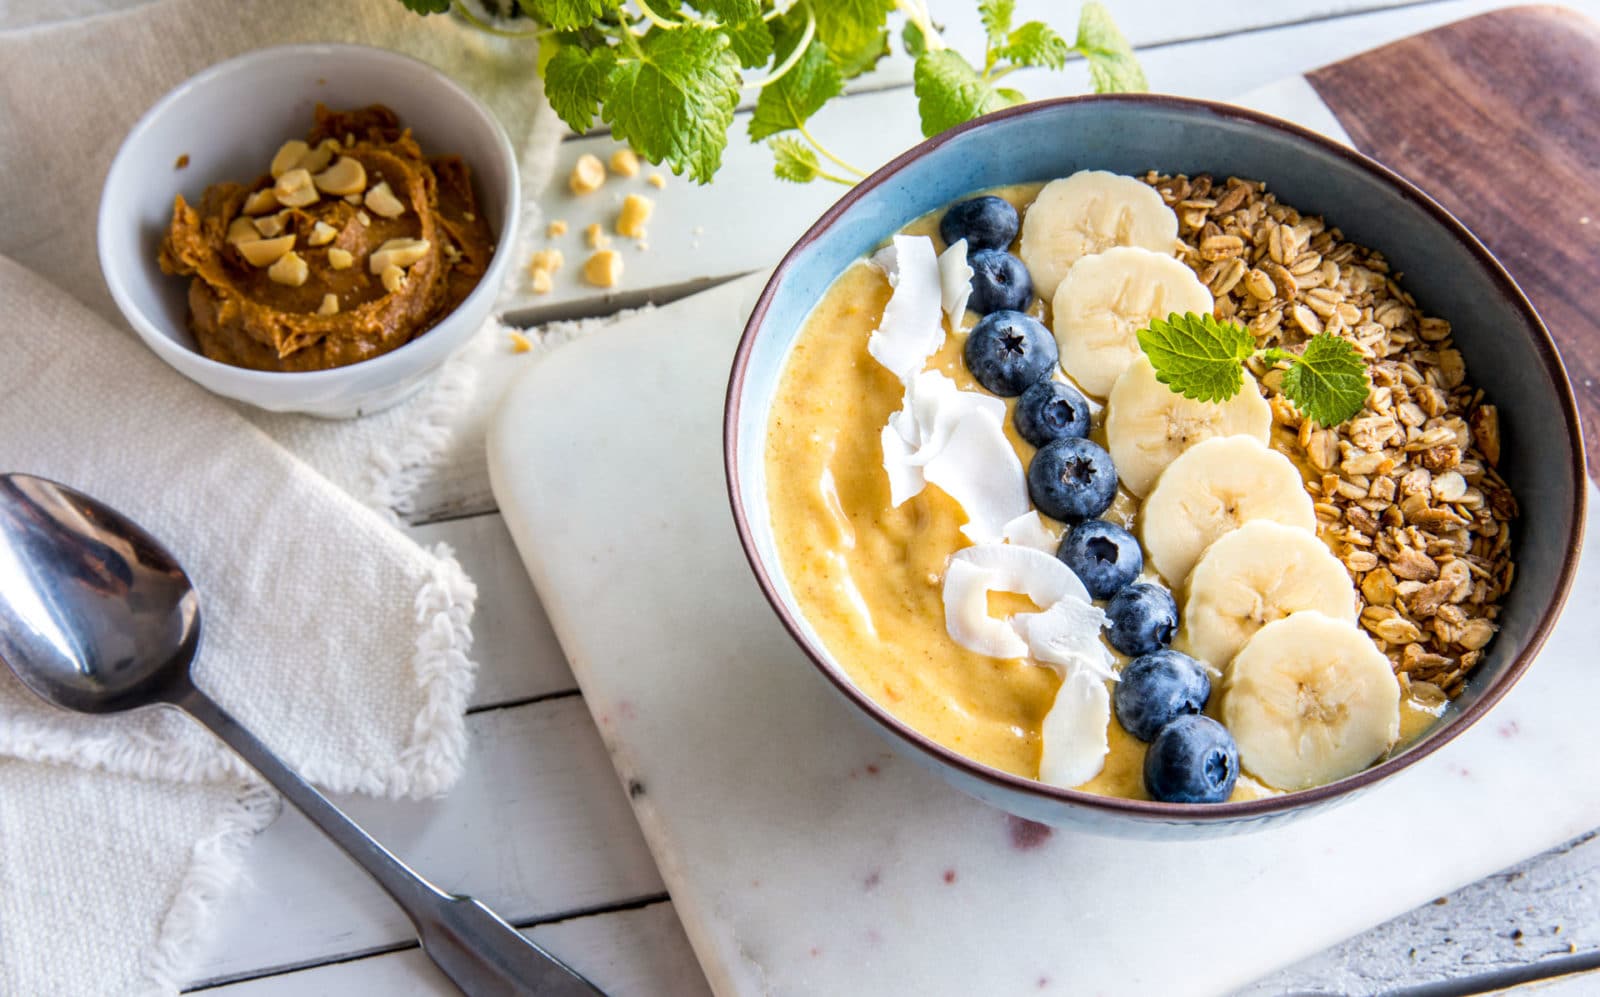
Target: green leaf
[
  {"x": 1328, "y": 382},
  {"x": 1010, "y": 97},
  {"x": 674, "y": 102},
  {"x": 790, "y": 102},
  {"x": 729, "y": 11},
  {"x": 912, "y": 41},
  {"x": 949, "y": 91},
  {"x": 565, "y": 15},
  {"x": 1197, "y": 356},
  {"x": 851, "y": 26},
  {"x": 853, "y": 63},
  {"x": 575, "y": 83},
  {"x": 750, "y": 41},
  {"x": 1036, "y": 44},
  {"x": 1112, "y": 66},
  {"x": 427, "y": 6},
  {"x": 793, "y": 160},
  {"x": 996, "y": 17}
]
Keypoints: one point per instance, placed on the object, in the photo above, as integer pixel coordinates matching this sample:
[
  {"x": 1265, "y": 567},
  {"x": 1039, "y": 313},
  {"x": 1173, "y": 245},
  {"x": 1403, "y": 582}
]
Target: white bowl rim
[{"x": 176, "y": 353}]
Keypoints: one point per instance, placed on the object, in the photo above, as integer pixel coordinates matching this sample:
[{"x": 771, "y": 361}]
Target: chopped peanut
[
  {"x": 595, "y": 236},
  {"x": 382, "y": 201},
  {"x": 604, "y": 268},
  {"x": 330, "y": 304},
  {"x": 318, "y": 159},
  {"x": 588, "y": 173},
  {"x": 393, "y": 278},
  {"x": 265, "y": 252},
  {"x": 261, "y": 202},
  {"x": 290, "y": 269},
  {"x": 346, "y": 177},
  {"x": 340, "y": 259},
  {"x": 547, "y": 259},
  {"x": 657, "y": 181},
  {"x": 295, "y": 189},
  {"x": 636, "y": 210},
  {"x": 625, "y": 163},
  {"x": 288, "y": 157},
  {"x": 555, "y": 228},
  {"x": 519, "y": 342},
  {"x": 542, "y": 283},
  {"x": 397, "y": 253},
  {"x": 242, "y": 230},
  {"x": 272, "y": 226},
  {"x": 321, "y": 234}
]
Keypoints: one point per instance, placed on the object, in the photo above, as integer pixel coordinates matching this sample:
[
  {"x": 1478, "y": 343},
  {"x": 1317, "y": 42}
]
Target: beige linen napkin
[
  {"x": 73, "y": 89},
  {"x": 342, "y": 644}
]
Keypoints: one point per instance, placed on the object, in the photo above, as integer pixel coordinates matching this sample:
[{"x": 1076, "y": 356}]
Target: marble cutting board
[{"x": 805, "y": 859}]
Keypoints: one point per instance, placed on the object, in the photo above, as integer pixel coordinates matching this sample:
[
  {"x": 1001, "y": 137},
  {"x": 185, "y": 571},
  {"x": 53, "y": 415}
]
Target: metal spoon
[{"x": 96, "y": 616}]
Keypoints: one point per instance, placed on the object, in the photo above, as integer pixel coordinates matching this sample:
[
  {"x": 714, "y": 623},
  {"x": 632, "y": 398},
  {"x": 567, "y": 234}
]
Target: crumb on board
[
  {"x": 519, "y": 342},
  {"x": 604, "y": 268},
  {"x": 596, "y": 236},
  {"x": 558, "y": 227},
  {"x": 636, "y": 210},
  {"x": 183, "y": 163},
  {"x": 548, "y": 260},
  {"x": 588, "y": 173},
  {"x": 657, "y": 181},
  {"x": 625, "y": 163},
  {"x": 542, "y": 284}
]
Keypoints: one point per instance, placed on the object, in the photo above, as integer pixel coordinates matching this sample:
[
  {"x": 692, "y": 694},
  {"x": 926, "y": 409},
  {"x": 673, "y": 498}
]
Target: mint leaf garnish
[
  {"x": 854, "y": 31},
  {"x": 949, "y": 91},
  {"x": 1036, "y": 44},
  {"x": 793, "y": 99},
  {"x": 1197, "y": 356},
  {"x": 996, "y": 17},
  {"x": 1112, "y": 66},
  {"x": 729, "y": 11},
  {"x": 1328, "y": 381},
  {"x": 750, "y": 41},
  {"x": 575, "y": 80},
  {"x": 793, "y": 160},
  {"x": 565, "y": 15},
  {"x": 674, "y": 101}
]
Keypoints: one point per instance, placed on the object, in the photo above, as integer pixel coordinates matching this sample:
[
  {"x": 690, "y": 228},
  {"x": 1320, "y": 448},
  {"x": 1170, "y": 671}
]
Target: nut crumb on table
[
  {"x": 519, "y": 342},
  {"x": 595, "y": 235},
  {"x": 625, "y": 163},
  {"x": 557, "y": 227},
  {"x": 636, "y": 210},
  {"x": 1407, "y": 493},
  {"x": 588, "y": 173},
  {"x": 604, "y": 268},
  {"x": 656, "y": 180}
]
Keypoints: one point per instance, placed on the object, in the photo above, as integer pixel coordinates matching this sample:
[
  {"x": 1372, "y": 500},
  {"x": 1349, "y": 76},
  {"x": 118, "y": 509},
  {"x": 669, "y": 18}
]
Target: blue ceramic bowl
[{"x": 1451, "y": 274}]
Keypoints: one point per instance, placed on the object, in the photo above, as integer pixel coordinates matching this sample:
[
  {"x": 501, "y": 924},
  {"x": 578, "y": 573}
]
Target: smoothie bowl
[{"x": 1099, "y": 452}]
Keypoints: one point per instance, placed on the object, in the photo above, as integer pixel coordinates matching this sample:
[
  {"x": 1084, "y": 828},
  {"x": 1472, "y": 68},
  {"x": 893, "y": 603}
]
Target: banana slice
[
  {"x": 1148, "y": 425},
  {"x": 1106, "y": 299},
  {"x": 1310, "y": 699},
  {"x": 1215, "y": 487},
  {"x": 1089, "y": 212},
  {"x": 1261, "y": 572}
]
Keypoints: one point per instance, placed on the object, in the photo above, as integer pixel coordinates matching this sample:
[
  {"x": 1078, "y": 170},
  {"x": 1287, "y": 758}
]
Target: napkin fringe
[{"x": 397, "y": 471}]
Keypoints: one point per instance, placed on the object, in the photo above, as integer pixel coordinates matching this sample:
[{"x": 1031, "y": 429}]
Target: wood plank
[
  {"x": 517, "y": 652},
  {"x": 1497, "y": 122},
  {"x": 537, "y": 827},
  {"x": 633, "y": 952},
  {"x": 1543, "y": 911}
]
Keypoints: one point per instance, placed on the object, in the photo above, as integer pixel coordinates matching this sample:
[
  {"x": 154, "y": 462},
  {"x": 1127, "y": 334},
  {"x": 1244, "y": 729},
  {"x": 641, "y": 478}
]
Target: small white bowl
[{"x": 229, "y": 120}]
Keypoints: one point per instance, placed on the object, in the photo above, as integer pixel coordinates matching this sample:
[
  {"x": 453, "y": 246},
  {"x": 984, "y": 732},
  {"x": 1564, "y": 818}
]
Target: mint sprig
[
  {"x": 1199, "y": 357},
  {"x": 666, "y": 75}
]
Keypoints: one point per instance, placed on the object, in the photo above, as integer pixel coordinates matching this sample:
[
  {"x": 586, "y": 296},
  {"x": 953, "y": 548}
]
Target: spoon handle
[{"x": 480, "y": 953}]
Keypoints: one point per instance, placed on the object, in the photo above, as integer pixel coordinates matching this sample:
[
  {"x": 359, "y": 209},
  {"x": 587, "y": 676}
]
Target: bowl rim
[
  {"x": 1211, "y": 813},
  {"x": 242, "y": 378}
]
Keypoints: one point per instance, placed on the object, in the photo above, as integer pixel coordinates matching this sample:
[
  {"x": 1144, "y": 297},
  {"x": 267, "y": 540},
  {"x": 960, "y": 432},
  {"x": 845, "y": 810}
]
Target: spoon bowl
[{"x": 97, "y": 616}]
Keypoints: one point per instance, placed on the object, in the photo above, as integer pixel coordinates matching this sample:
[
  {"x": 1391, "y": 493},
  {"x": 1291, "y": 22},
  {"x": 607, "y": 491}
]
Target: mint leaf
[
  {"x": 1197, "y": 356},
  {"x": 949, "y": 91},
  {"x": 1009, "y": 97},
  {"x": 1035, "y": 44},
  {"x": 851, "y": 27},
  {"x": 674, "y": 102},
  {"x": 1328, "y": 381},
  {"x": 750, "y": 41},
  {"x": 790, "y": 102},
  {"x": 912, "y": 40},
  {"x": 575, "y": 83},
  {"x": 793, "y": 160},
  {"x": 565, "y": 15},
  {"x": 729, "y": 11},
  {"x": 426, "y": 6},
  {"x": 996, "y": 17},
  {"x": 1112, "y": 66},
  {"x": 853, "y": 63}
]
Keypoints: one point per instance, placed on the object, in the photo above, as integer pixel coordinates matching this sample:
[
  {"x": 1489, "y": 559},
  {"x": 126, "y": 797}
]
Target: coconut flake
[
  {"x": 974, "y": 572},
  {"x": 955, "y": 281},
  {"x": 978, "y": 468},
  {"x": 966, "y": 613},
  {"x": 1067, "y": 634},
  {"x": 1074, "y": 731},
  {"x": 1028, "y": 530},
  {"x": 910, "y": 331},
  {"x": 931, "y": 411}
]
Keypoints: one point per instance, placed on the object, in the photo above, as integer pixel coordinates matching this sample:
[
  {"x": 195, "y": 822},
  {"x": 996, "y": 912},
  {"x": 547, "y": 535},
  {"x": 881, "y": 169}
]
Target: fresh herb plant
[
  {"x": 666, "y": 75},
  {"x": 1199, "y": 357}
]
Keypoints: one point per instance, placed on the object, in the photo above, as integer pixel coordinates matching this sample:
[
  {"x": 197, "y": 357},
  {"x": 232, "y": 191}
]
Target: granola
[{"x": 1407, "y": 493}]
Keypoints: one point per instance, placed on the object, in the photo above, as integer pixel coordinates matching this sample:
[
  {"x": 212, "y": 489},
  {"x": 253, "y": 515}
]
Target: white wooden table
[{"x": 539, "y": 827}]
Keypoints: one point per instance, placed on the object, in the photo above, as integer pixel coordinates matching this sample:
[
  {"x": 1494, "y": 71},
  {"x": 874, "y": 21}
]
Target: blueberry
[
  {"x": 1192, "y": 760},
  {"x": 999, "y": 282},
  {"x": 1103, "y": 555},
  {"x": 1072, "y": 480},
  {"x": 1050, "y": 410},
  {"x": 1157, "y": 689},
  {"x": 1007, "y": 351},
  {"x": 985, "y": 222},
  {"x": 1143, "y": 619}
]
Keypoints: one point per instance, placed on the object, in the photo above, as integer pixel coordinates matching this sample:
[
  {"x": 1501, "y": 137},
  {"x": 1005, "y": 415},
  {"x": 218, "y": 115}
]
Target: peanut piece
[
  {"x": 272, "y": 226},
  {"x": 595, "y": 236},
  {"x": 290, "y": 269},
  {"x": 588, "y": 173},
  {"x": 295, "y": 189},
  {"x": 265, "y": 252},
  {"x": 547, "y": 259},
  {"x": 656, "y": 180},
  {"x": 288, "y": 157},
  {"x": 330, "y": 304},
  {"x": 625, "y": 163},
  {"x": 383, "y": 202},
  {"x": 318, "y": 159},
  {"x": 345, "y": 177},
  {"x": 541, "y": 282},
  {"x": 555, "y": 228},
  {"x": 261, "y": 202},
  {"x": 397, "y": 253},
  {"x": 321, "y": 234},
  {"x": 393, "y": 278},
  {"x": 242, "y": 230},
  {"x": 635, "y": 212},
  {"x": 340, "y": 259},
  {"x": 604, "y": 268},
  {"x": 519, "y": 342}
]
